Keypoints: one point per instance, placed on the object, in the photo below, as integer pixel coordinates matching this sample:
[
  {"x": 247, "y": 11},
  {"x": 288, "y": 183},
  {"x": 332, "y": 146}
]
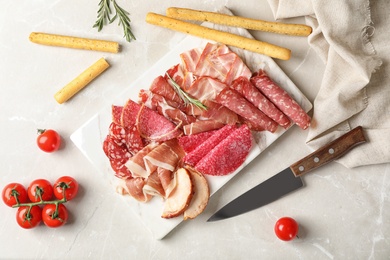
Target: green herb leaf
[
  {"x": 184, "y": 96},
  {"x": 104, "y": 17}
]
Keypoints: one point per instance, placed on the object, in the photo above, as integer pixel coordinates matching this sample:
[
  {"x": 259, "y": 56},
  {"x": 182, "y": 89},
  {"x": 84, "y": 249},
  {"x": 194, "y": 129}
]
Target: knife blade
[{"x": 289, "y": 179}]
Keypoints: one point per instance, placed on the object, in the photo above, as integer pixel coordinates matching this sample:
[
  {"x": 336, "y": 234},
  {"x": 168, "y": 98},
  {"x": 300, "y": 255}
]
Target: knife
[{"x": 289, "y": 179}]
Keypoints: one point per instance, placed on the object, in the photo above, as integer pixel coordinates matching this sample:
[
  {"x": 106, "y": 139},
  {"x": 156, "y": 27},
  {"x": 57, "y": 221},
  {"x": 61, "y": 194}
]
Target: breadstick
[
  {"x": 237, "y": 21},
  {"x": 219, "y": 36},
  {"x": 81, "y": 81},
  {"x": 74, "y": 42}
]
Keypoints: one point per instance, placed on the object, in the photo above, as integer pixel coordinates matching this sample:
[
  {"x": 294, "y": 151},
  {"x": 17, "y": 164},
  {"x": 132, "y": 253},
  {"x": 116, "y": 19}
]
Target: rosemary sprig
[
  {"x": 184, "y": 96},
  {"x": 104, "y": 16}
]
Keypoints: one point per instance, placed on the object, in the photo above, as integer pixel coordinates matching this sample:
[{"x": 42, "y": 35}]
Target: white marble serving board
[{"x": 90, "y": 136}]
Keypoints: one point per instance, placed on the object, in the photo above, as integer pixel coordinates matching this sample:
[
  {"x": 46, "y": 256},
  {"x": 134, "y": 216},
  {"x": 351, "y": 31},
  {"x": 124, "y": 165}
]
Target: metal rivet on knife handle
[{"x": 329, "y": 152}]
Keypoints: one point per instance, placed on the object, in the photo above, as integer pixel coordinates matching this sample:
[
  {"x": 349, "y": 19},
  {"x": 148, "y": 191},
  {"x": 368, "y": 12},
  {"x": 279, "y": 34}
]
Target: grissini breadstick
[
  {"x": 74, "y": 42},
  {"x": 219, "y": 36},
  {"x": 237, "y": 21},
  {"x": 81, "y": 81}
]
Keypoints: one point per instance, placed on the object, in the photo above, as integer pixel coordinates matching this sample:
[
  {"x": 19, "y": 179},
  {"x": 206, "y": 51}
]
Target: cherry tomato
[
  {"x": 48, "y": 140},
  {"x": 286, "y": 228},
  {"x": 54, "y": 218},
  {"x": 65, "y": 185},
  {"x": 38, "y": 189},
  {"x": 13, "y": 193},
  {"x": 28, "y": 218}
]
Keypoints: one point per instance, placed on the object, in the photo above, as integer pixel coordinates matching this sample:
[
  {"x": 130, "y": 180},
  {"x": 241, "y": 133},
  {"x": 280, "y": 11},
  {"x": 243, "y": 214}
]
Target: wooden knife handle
[{"x": 329, "y": 152}]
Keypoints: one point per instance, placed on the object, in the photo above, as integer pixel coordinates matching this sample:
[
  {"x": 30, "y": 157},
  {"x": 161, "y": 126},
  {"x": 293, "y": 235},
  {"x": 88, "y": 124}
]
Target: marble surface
[{"x": 343, "y": 213}]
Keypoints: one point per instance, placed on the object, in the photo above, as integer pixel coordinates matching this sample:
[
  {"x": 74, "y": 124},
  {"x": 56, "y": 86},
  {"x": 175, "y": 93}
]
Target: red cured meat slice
[
  {"x": 167, "y": 155},
  {"x": 116, "y": 112},
  {"x": 136, "y": 164},
  {"x": 218, "y": 113},
  {"x": 118, "y": 133},
  {"x": 206, "y": 88},
  {"x": 115, "y": 151},
  {"x": 190, "y": 142},
  {"x": 237, "y": 103},
  {"x": 202, "y": 126},
  {"x": 130, "y": 114},
  {"x": 167, "y": 179},
  {"x": 228, "y": 155},
  {"x": 191, "y": 58},
  {"x": 198, "y": 153},
  {"x": 153, "y": 186},
  {"x": 161, "y": 87},
  {"x": 120, "y": 169},
  {"x": 135, "y": 187},
  {"x": 153, "y": 126},
  {"x": 133, "y": 140},
  {"x": 281, "y": 99},
  {"x": 238, "y": 69},
  {"x": 165, "y": 108},
  {"x": 253, "y": 95}
]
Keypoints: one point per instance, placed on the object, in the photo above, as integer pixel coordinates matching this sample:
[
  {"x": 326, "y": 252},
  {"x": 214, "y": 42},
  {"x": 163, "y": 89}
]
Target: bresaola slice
[{"x": 228, "y": 155}]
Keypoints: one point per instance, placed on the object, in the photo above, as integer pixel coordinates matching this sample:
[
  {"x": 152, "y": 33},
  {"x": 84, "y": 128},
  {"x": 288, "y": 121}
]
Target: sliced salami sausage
[
  {"x": 281, "y": 99},
  {"x": 198, "y": 153},
  {"x": 231, "y": 99},
  {"x": 253, "y": 95},
  {"x": 116, "y": 112},
  {"x": 228, "y": 155},
  {"x": 190, "y": 142},
  {"x": 130, "y": 114},
  {"x": 153, "y": 126},
  {"x": 115, "y": 151}
]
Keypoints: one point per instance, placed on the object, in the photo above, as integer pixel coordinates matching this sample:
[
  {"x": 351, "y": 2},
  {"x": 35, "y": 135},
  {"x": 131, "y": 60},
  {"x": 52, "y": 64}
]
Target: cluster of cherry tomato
[{"x": 41, "y": 201}]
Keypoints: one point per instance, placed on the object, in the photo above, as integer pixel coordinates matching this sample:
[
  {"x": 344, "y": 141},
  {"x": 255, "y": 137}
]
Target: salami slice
[
  {"x": 281, "y": 99},
  {"x": 130, "y": 114},
  {"x": 231, "y": 99},
  {"x": 198, "y": 153},
  {"x": 253, "y": 95},
  {"x": 155, "y": 127},
  {"x": 228, "y": 155},
  {"x": 115, "y": 151},
  {"x": 190, "y": 142},
  {"x": 120, "y": 169},
  {"x": 116, "y": 112}
]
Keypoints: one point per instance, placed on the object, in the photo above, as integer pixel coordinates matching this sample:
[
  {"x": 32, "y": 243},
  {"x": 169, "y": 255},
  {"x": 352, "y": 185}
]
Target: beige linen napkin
[{"x": 353, "y": 40}]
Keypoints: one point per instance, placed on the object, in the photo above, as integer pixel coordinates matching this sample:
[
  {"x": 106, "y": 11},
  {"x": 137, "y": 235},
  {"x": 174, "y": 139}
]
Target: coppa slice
[
  {"x": 180, "y": 197},
  {"x": 196, "y": 155},
  {"x": 228, "y": 155}
]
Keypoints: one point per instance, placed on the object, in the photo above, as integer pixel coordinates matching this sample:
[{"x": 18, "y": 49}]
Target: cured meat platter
[{"x": 90, "y": 136}]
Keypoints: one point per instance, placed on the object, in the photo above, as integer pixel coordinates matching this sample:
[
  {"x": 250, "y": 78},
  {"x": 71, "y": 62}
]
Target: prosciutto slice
[
  {"x": 161, "y": 87},
  {"x": 135, "y": 188},
  {"x": 153, "y": 186},
  {"x": 202, "y": 126},
  {"x": 206, "y": 88},
  {"x": 167, "y": 155},
  {"x": 136, "y": 164},
  {"x": 218, "y": 113}
]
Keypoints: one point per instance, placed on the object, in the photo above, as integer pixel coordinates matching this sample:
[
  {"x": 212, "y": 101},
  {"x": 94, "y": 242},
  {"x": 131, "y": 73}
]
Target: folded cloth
[{"x": 352, "y": 39}]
